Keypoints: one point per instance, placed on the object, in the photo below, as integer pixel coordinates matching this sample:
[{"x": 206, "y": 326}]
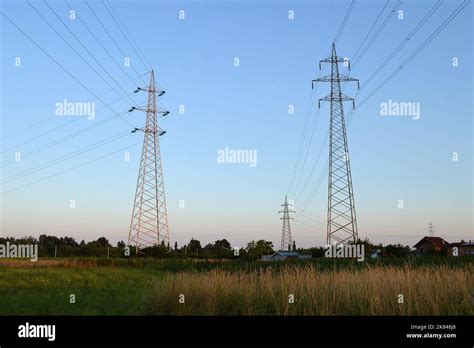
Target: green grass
[
  {"x": 98, "y": 291},
  {"x": 149, "y": 286}
]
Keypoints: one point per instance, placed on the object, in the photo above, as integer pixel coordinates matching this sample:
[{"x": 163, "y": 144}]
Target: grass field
[{"x": 438, "y": 286}]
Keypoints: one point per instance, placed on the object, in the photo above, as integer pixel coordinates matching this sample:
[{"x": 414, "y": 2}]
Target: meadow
[{"x": 430, "y": 286}]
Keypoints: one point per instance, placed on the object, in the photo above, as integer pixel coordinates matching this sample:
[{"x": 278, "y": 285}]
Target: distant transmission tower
[
  {"x": 149, "y": 222},
  {"x": 430, "y": 228},
  {"x": 286, "y": 229},
  {"x": 342, "y": 222}
]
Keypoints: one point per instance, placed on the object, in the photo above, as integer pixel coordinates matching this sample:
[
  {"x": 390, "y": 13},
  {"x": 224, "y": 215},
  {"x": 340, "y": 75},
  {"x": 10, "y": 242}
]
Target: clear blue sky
[{"x": 243, "y": 107}]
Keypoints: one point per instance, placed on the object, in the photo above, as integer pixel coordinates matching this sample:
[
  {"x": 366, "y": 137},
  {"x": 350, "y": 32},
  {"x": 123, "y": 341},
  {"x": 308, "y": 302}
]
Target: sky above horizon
[{"x": 244, "y": 107}]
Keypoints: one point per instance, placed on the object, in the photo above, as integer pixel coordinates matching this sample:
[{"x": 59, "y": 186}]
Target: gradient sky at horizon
[{"x": 245, "y": 107}]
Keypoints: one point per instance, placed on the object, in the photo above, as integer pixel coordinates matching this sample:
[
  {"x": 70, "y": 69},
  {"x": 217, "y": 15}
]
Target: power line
[
  {"x": 306, "y": 127},
  {"x": 344, "y": 21},
  {"x": 418, "y": 49},
  {"x": 318, "y": 156},
  {"x": 307, "y": 117},
  {"x": 69, "y": 169},
  {"x": 54, "y": 128},
  {"x": 313, "y": 128},
  {"x": 116, "y": 20},
  {"x": 311, "y": 219},
  {"x": 377, "y": 33},
  {"x": 71, "y": 47},
  {"x": 103, "y": 46},
  {"x": 111, "y": 38},
  {"x": 90, "y": 54},
  {"x": 405, "y": 41},
  {"x": 63, "y": 139},
  {"x": 53, "y": 117},
  {"x": 304, "y": 223},
  {"x": 309, "y": 199},
  {"x": 60, "y": 65},
  {"x": 370, "y": 30},
  {"x": 65, "y": 157}
]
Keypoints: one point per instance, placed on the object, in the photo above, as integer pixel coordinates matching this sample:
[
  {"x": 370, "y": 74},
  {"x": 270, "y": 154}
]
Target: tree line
[{"x": 51, "y": 246}]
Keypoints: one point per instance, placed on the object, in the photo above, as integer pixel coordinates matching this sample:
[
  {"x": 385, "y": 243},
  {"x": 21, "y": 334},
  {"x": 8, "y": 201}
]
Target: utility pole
[
  {"x": 286, "y": 228},
  {"x": 149, "y": 222},
  {"x": 430, "y": 228},
  {"x": 341, "y": 216}
]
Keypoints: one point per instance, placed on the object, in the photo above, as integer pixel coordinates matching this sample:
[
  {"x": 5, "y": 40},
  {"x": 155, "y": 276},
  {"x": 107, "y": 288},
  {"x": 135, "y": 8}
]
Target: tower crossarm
[
  {"x": 163, "y": 112},
  {"x": 336, "y": 98},
  {"x": 341, "y": 78},
  {"x": 332, "y": 59}
]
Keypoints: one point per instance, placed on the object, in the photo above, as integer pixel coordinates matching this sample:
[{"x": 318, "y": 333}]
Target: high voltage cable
[
  {"x": 52, "y": 117},
  {"x": 89, "y": 52},
  {"x": 69, "y": 169},
  {"x": 65, "y": 157},
  {"x": 303, "y": 222},
  {"x": 318, "y": 156},
  {"x": 405, "y": 41},
  {"x": 419, "y": 49},
  {"x": 417, "y": 27},
  {"x": 344, "y": 21},
  {"x": 71, "y": 47},
  {"x": 54, "y": 128},
  {"x": 111, "y": 38},
  {"x": 301, "y": 140},
  {"x": 63, "y": 139},
  {"x": 316, "y": 187},
  {"x": 309, "y": 218},
  {"x": 133, "y": 45},
  {"x": 60, "y": 65},
  {"x": 311, "y": 124},
  {"x": 370, "y": 30},
  {"x": 313, "y": 128},
  {"x": 377, "y": 33},
  {"x": 120, "y": 25},
  {"x": 103, "y": 46}
]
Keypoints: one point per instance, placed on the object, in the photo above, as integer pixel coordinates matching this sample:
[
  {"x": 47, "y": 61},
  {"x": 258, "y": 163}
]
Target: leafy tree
[
  {"x": 221, "y": 249},
  {"x": 255, "y": 249},
  {"x": 194, "y": 246},
  {"x": 159, "y": 251},
  {"x": 102, "y": 241},
  {"x": 396, "y": 250}
]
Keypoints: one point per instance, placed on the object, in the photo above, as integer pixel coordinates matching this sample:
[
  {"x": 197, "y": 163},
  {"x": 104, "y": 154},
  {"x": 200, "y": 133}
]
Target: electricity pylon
[
  {"x": 149, "y": 222},
  {"x": 286, "y": 228},
  {"x": 431, "y": 229},
  {"x": 342, "y": 222}
]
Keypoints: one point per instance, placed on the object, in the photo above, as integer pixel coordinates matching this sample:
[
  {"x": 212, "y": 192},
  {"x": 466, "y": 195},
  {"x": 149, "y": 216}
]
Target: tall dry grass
[{"x": 368, "y": 291}]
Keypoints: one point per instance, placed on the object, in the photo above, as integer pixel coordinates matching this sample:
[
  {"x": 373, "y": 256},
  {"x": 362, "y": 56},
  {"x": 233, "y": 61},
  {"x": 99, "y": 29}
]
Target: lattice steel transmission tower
[
  {"x": 431, "y": 229},
  {"x": 286, "y": 240},
  {"x": 149, "y": 222},
  {"x": 341, "y": 217}
]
